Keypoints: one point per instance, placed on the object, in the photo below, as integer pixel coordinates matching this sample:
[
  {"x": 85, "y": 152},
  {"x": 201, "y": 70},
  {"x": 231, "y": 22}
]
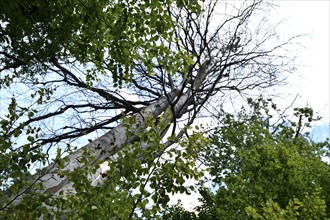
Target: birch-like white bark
[{"x": 109, "y": 144}]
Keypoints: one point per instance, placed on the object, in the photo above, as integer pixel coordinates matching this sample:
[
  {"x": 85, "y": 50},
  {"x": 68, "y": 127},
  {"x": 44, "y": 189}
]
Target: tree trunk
[{"x": 108, "y": 145}]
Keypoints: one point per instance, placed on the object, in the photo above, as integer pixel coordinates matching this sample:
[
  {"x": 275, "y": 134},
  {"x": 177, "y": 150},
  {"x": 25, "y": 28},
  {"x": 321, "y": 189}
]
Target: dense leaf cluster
[{"x": 263, "y": 170}]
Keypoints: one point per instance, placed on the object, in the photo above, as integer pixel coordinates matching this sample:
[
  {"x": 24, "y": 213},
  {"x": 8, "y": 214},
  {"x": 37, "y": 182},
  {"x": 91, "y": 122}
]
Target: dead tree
[{"x": 227, "y": 53}]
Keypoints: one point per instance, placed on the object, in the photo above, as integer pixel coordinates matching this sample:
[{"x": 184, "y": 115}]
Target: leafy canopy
[
  {"x": 103, "y": 32},
  {"x": 263, "y": 170}
]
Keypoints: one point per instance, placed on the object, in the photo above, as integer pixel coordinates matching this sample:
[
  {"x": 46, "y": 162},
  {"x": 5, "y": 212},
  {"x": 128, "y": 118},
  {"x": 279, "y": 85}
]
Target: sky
[
  {"x": 311, "y": 80},
  {"x": 310, "y": 83}
]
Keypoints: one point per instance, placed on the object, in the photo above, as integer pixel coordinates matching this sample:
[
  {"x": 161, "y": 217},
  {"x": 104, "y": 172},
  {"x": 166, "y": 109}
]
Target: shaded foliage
[
  {"x": 134, "y": 73},
  {"x": 263, "y": 170}
]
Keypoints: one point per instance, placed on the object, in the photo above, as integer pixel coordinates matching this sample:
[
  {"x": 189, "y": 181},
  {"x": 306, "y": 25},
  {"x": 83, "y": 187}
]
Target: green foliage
[
  {"x": 263, "y": 170},
  {"x": 311, "y": 207},
  {"x": 106, "y": 37},
  {"x": 249, "y": 160},
  {"x": 139, "y": 182},
  {"x": 107, "y": 33},
  {"x": 177, "y": 212}
]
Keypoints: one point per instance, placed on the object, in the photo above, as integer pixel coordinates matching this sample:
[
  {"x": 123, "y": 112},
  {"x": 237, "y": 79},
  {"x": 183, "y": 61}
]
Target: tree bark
[{"x": 107, "y": 145}]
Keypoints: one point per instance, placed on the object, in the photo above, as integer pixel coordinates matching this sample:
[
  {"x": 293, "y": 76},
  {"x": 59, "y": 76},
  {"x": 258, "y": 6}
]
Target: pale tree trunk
[
  {"x": 107, "y": 146},
  {"x": 225, "y": 59}
]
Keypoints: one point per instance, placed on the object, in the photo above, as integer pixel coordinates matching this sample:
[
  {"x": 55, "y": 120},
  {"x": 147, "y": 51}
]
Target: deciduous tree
[
  {"x": 68, "y": 65},
  {"x": 263, "y": 168}
]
